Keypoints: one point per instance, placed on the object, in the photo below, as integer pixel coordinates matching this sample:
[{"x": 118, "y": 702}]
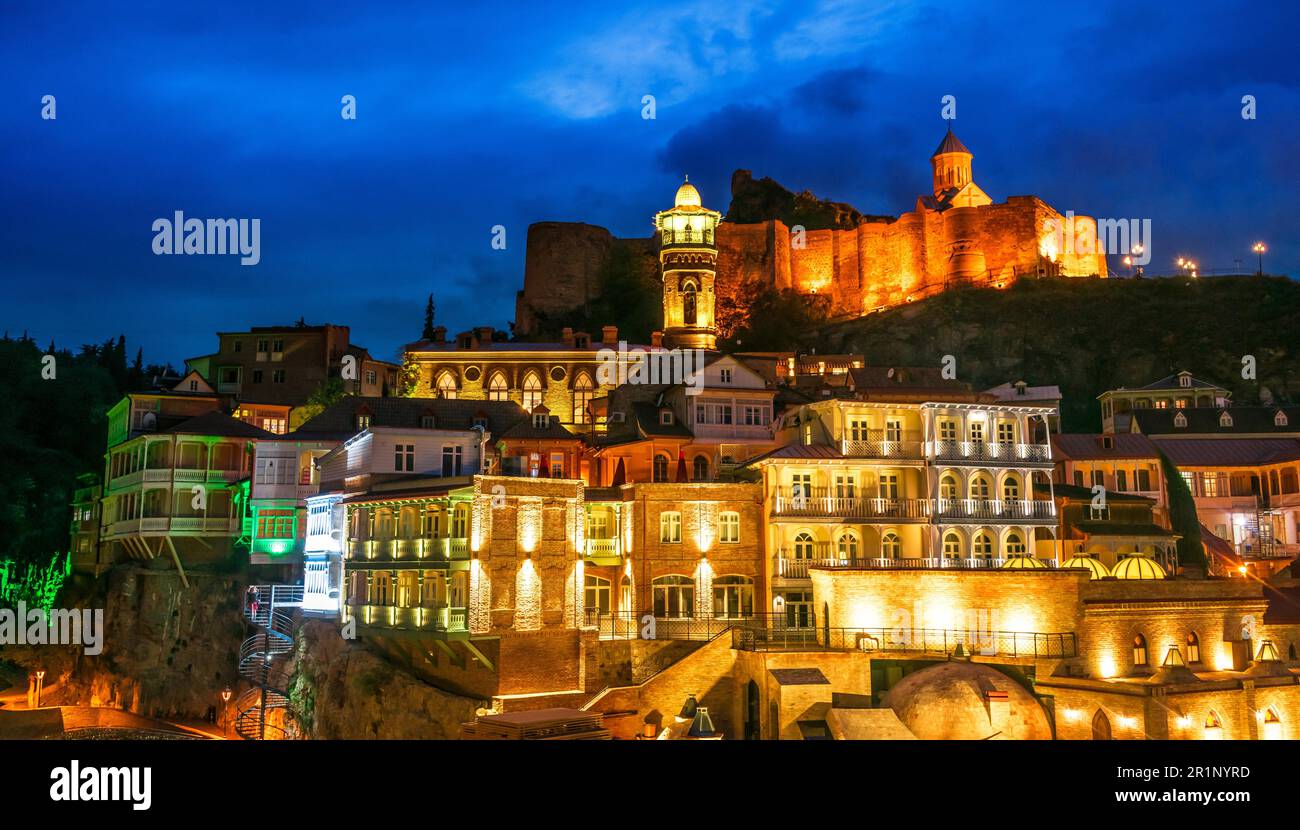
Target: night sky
[{"x": 475, "y": 115}]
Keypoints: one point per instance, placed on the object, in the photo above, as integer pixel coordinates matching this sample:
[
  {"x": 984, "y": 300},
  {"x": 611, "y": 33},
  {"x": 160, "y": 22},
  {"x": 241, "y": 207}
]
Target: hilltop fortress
[{"x": 956, "y": 235}]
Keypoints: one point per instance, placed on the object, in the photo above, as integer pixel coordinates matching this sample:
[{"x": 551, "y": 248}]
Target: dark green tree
[
  {"x": 429, "y": 310},
  {"x": 1182, "y": 516}
]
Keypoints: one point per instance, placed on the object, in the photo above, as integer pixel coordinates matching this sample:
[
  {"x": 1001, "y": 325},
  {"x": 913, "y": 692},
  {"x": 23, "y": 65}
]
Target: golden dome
[
  {"x": 1095, "y": 569},
  {"x": 687, "y": 196},
  {"x": 1137, "y": 566},
  {"x": 1022, "y": 561}
]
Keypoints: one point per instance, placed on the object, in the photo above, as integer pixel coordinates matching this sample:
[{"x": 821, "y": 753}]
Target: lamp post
[
  {"x": 1137, "y": 252},
  {"x": 1259, "y": 248},
  {"x": 40, "y": 686},
  {"x": 225, "y": 709}
]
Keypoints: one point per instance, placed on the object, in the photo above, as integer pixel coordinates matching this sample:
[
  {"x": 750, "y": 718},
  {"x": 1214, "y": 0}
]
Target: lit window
[
  {"x": 1139, "y": 650},
  {"x": 1015, "y": 546},
  {"x": 1225, "y": 420},
  {"x": 497, "y": 388},
  {"x": 1193, "y": 648},
  {"x": 1280, "y": 420},
  {"x": 729, "y": 527},
  {"x": 670, "y": 528},
  {"x": 847, "y": 545},
  {"x": 733, "y": 596},
  {"x": 582, "y": 399},
  {"x": 890, "y": 546},
  {"x": 659, "y": 470},
  {"x": 725, "y": 374},
  {"x": 532, "y": 392}
]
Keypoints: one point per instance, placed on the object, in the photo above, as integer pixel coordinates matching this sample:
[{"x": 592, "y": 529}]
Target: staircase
[{"x": 262, "y": 662}]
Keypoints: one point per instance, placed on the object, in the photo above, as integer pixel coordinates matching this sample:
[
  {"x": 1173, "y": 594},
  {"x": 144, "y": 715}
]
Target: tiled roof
[
  {"x": 1121, "y": 529},
  {"x": 951, "y": 144},
  {"x": 812, "y": 451},
  {"x": 340, "y": 418},
  {"x": 219, "y": 424},
  {"x": 1207, "y": 420},
  {"x": 1085, "y": 447},
  {"x": 647, "y": 421},
  {"x": 1229, "y": 452},
  {"x": 1076, "y": 493},
  {"x": 1171, "y": 382},
  {"x": 1009, "y": 393}
]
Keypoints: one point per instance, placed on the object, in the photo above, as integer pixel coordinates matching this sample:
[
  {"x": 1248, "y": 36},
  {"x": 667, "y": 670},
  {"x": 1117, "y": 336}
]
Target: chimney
[
  {"x": 656, "y": 339},
  {"x": 609, "y": 335},
  {"x": 484, "y": 333},
  {"x": 439, "y": 334},
  {"x": 567, "y": 336}
]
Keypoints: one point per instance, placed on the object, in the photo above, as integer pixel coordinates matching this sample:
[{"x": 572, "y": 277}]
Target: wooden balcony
[
  {"x": 995, "y": 511},
  {"x": 990, "y": 453},
  {"x": 434, "y": 552},
  {"x": 604, "y": 551},
  {"x": 883, "y": 444},
  {"x": 444, "y": 620},
  {"x": 821, "y": 504}
]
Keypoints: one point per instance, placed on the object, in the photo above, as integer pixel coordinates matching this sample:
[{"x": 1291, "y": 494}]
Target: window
[
  {"x": 666, "y": 417},
  {"x": 713, "y": 413},
  {"x": 1161, "y": 403},
  {"x": 951, "y": 546},
  {"x": 977, "y": 432},
  {"x": 803, "y": 545},
  {"x": 363, "y": 422},
  {"x": 1139, "y": 650},
  {"x": 497, "y": 388},
  {"x": 426, "y": 422},
  {"x": 1078, "y": 478},
  {"x": 729, "y": 527},
  {"x": 1010, "y": 489},
  {"x": 257, "y": 376},
  {"x": 889, "y": 485},
  {"x": 582, "y": 399},
  {"x": 979, "y": 488},
  {"x": 1272, "y": 725},
  {"x": 275, "y": 523},
  {"x": 700, "y": 468},
  {"x": 1006, "y": 432},
  {"x": 595, "y": 595},
  {"x": 670, "y": 528},
  {"x": 859, "y": 430},
  {"x": 893, "y": 430},
  {"x": 754, "y": 416},
  {"x": 452, "y": 455},
  {"x": 982, "y": 548},
  {"x": 725, "y": 374},
  {"x": 801, "y": 488},
  {"x": 847, "y": 545},
  {"x": 371, "y": 377},
  {"x": 1180, "y": 420},
  {"x": 557, "y": 465},
  {"x": 541, "y": 420},
  {"x": 1210, "y": 485},
  {"x": 659, "y": 470},
  {"x": 1225, "y": 420},
  {"x": 263, "y": 346},
  {"x": 1185, "y": 381},
  {"x": 947, "y": 430},
  {"x": 674, "y": 596},
  {"x": 277, "y": 376},
  {"x": 446, "y": 386},
  {"x": 1213, "y": 726},
  {"x": 1015, "y": 546},
  {"x": 890, "y": 546},
  {"x": 1098, "y": 478},
  {"x": 532, "y": 392},
  {"x": 1144, "y": 480},
  {"x": 1121, "y": 480},
  {"x": 948, "y": 487},
  {"x": 238, "y": 346},
  {"x": 1193, "y": 647},
  {"x": 404, "y": 458},
  {"x": 733, "y": 596},
  {"x": 1280, "y": 420},
  {"x": 277, "y": 346},
  {"x": 845, "y": 486}
]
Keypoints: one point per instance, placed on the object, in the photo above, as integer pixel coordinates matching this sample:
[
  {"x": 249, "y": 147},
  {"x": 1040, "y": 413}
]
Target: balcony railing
[
  {"x": 444, "y": 549},
  {"x": 165, "y": 524},
  {"x": 822, "y": 504},
  {"x": 877, "y": 443},
  {"x": 791, "y": 568},
  {"x": 983, "y": 452},
  {"x": 417, "y": 618},
  {"x": 603, "y": 548},
  {"x": 994, "y": 510},
  {"x": 632, "y": 626},
  {"x": 1014, "y": 644}
]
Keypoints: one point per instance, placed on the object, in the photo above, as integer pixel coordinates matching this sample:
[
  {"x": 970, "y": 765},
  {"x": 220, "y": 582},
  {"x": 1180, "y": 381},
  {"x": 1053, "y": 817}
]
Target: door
[{"x": 753, "y": 711}]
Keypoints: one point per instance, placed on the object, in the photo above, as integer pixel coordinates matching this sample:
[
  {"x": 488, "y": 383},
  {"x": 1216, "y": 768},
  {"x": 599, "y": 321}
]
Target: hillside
[{"x": 1089, "y": 335}]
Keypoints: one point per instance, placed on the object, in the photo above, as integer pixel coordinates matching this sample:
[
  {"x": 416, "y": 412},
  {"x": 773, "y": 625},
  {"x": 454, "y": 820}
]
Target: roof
[
  {"x": 647, "y": 421},
  {"x": 1122, "y": 529},
  {"x": 799, "y": 677},
  {"x": 1216, "y": 544},
  {"x": 1084, "y": 447},
  {"x": 219, "y": 424},
  {"x": 1171, "y": 382},
  {"x": 1229, "y": 452},
  {"x": 526, "y": 430},
  {"x": 340, "y": 418},
  {"x": 1074, "y": 492},
  {"x": 951, "y": 144},
  {"x": 912, "y": 381},
  {"x": 1011, "y": 392},
  {"x": 1208, "y": 420},
  {"x": 811, "y": 451}
]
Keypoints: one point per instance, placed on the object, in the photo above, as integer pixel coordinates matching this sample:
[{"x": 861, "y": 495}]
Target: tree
[
  {"x": 329, "y": 392},
  {"x": 429, "y": 310},
  {"x": 1182, "y": 516}
]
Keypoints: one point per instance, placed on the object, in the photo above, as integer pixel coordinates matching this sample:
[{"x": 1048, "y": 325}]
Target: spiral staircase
[{"x": 263, "y": 662}]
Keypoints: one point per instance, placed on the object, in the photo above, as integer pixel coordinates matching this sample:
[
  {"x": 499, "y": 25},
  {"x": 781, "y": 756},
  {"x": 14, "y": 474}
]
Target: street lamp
[
  {"x": 1259, "y": 248},
  {"x": 225, "y": 714},
  {"x": 1137, "y": 252},
  {"x": 40, "y": 685}
]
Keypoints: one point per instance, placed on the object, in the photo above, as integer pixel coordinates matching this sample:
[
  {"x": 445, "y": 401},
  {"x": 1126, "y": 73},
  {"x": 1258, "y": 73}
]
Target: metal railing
[
  {"x": 990, "y": 451},
  {"x": 621, "y": 625},
  {"x": 879, "y": 443},
  {"x": 944, "y": 641},
  {"x": 821, "y": 502},
  {"x": 994, "y": 510},
  {"x": 786, "y": 567},
  {"x": 433, "y": 550},
  {"x": 441, "y": 619},
  {"x": 603, "y": 547}
]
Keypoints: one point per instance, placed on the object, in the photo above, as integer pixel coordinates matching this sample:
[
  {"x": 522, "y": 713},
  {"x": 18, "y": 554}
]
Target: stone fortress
[{"x": 956, "y": 235}]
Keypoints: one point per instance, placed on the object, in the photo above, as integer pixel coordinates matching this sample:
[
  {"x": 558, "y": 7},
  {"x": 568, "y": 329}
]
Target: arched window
[
  {"x": 847, "y": 545},
  {"x": 1139, "y": 650},
  {"x": 982, "y": 547},
  {"x": 948, "y": 488},
  {"x": 728, "y": 527},
  {"x": 733, "y": 597},
  {"x": 497, "y": 387},
  {"x": 446, "y": 386},
  {"x": 674, "y": 596},
  {"x": 951, "y": 546},
  {"x": 595, "y": 594},
  {"x": 1015, "y": 545},
  {"x": 582, "y": 391},
  {"x": 688, "y": 303},
  {"x": 659, "y": 471},
  {"x": 890, "y": 546},
  {"x": 1213, "y": 726},
  {"x": 1272, "y": 725},
  {"x": 532, "y": 392},
  {"x": 803, "y": 545},
  {"x": 1010, "y": 489},
  {"x": 700, "y": 468},
  {"x": 979, "y": 487},
  {"x": 670, "y": 527},
  {"x": 1100, "y": 726},
  {"x": 1193, "y": 647}
]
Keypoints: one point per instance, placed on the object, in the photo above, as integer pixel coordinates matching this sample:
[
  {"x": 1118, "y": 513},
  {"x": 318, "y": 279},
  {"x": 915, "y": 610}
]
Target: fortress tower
[{"x": 688, "y": 256}]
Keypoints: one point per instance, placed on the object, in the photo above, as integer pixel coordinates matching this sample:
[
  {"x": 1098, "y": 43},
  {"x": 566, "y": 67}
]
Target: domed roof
[
  {"x": 957, "y": 700},
  {"x": 1137, "y": 566},
  {"x": 1022, "y": 561},
  {"x": 687, "y": 195},
  {"x": 1095, "y": 569}
]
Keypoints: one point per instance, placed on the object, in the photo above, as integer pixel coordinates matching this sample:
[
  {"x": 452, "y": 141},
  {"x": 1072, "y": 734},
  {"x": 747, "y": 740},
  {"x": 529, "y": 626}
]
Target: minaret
[
  {"x": 688, "y": 256},
  {"x": 952, "y": 164}
]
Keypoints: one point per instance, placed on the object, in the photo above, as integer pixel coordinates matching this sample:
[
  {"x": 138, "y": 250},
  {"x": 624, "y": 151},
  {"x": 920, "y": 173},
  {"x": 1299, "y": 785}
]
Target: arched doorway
[{"x": 1100, "y": 726}]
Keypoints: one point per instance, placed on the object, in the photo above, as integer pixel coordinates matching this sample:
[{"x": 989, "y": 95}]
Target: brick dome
[{"x": 957, "y": 701}]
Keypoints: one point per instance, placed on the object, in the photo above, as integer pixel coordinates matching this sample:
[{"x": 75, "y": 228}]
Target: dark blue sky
[{"x": 473, "y": 115}]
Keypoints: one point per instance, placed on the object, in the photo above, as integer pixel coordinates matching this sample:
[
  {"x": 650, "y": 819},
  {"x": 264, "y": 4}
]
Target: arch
[
  {"x": 949, "y": 486},
  {"x": 690, "y": 300},
  {"x": 982, "y": 544},
  {"x": 1193, "y": 647},
  {"x": 532, "y": 397},
  {"x": 847, "y": 544},
  {"x": 1011, "y": 487},
  {"x": 498, "y": 389},
  {"x": 582, "y": 392},
  {"x": 408, "y": 589},
  {"x": 700, "y": 468},
  {"x": 891, "y": 546},
  {"x": 1100, "y": 726},
  {"x": 980, "y": 486},
  {"x": 674, "y": 596},
  {"x": 659, "y": 467},
  {"x": 804, "y": 545},
  {"x": 1013, "y": 544},
  {"x": 446, "y": 386},
  {"x": 952, "y": 546}
]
